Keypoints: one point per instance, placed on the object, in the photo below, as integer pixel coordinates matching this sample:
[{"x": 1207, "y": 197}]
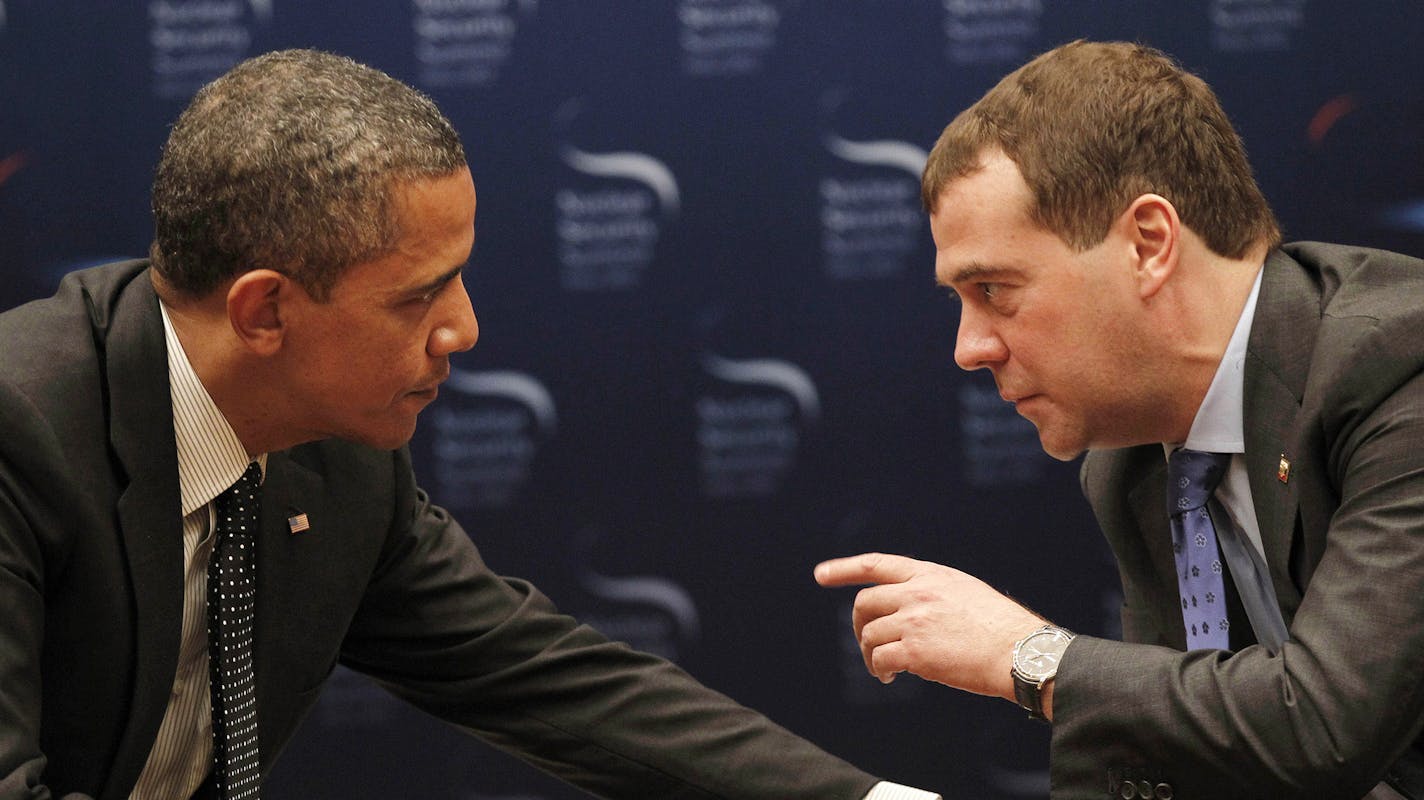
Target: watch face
[{"x": 1037, "y": 657}]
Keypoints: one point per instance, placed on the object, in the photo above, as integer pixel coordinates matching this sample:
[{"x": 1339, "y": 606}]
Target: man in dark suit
[
  {"x": 301, "y": 303},
  {"x": 1122, "y": 278}
]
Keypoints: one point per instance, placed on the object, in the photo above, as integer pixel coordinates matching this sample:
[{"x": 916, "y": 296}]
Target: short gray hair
[{"x": 288, "y": 162}]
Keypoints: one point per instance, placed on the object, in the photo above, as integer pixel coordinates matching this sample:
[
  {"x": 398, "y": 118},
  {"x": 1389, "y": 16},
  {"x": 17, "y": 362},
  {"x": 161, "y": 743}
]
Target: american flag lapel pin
[
  {"x": 1283, "y": 469},
  {"x": 298, "y": 522}
]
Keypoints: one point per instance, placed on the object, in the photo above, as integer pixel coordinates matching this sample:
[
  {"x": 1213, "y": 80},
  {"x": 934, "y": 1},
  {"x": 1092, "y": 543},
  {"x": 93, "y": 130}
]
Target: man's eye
[
  {"x": 989, "y": 290},
  {"x": 429, "y": 297}
]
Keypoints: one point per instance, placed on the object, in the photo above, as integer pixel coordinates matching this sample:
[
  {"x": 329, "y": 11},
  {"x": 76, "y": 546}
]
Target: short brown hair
[
  {"x": 288, "y": 162},
  {"x": 1094, "y": 125}
]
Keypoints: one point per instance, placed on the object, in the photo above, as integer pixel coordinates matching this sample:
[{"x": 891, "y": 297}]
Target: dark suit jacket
[
  {"x": 1332, "y": 385},
  {"x": 384, "y": 582}
]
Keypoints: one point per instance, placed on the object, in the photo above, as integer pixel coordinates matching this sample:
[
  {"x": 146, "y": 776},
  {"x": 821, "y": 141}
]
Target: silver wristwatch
[{"x": 1036, "y": 659}]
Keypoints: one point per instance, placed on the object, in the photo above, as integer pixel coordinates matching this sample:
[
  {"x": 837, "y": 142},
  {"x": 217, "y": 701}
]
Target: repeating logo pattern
[
  {"x": 489, "y": 426},
  {"x": 870, "y": 208},
  {"x": 612, "y": 194},
  {"x": 991, "y": 31},
  {"x": 1255, "y": 25},
  {"x": 609, "y": 216},
  {"x": 749, "y": 428},
  {"x": 726, "y": 37},
  {"x": 195, "y": 41},
  {"x": 998, "y": 447},
  {"x": 650, "y": 612},
  {"x": 466, "y": 42}
]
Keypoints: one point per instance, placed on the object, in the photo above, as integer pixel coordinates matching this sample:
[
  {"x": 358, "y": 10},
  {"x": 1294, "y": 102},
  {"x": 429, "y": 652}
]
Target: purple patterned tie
[
  {"x": 1191, "y": 478},
  {"x": 231, "y": 614}
]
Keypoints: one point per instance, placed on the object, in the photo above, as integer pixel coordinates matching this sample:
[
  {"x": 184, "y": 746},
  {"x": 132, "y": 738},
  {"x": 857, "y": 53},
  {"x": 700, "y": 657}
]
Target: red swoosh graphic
[
  {"x": 1334, "y": 109},
  {"x": 11, "y": 165}
]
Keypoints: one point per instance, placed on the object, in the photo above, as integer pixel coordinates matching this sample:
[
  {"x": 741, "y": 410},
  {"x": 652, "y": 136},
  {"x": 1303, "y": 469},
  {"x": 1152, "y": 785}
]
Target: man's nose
[
  {"x": 977, "y": 345},
  {"x": 460, "y": 330}
]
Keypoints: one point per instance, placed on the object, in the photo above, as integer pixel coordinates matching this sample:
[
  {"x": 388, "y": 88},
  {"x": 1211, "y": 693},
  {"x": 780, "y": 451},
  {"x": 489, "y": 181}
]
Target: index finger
[{"x": 866, "y": 568}]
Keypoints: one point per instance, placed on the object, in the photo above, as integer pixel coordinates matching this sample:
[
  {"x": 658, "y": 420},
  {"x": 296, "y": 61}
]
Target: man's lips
[{"x": 431, "y": 388}]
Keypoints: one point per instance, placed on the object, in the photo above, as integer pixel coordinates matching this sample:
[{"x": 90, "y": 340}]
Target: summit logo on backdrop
[
  {"x": 991, "y": 31},
  {"x": 870, "y": 208},
  {"x": 488, "y": 429},
  {"x": 195, "y": 41},
  {"x": 726, "y": 37},
  {"x": 1255, "y": 26},
  {"x": 608, "y": 217},
  {"x": 650, "y": 612},
  {"x": 998, "y": 447},
  {"x": 750, "y": 423},
  {"x": 466, "y": 42}
]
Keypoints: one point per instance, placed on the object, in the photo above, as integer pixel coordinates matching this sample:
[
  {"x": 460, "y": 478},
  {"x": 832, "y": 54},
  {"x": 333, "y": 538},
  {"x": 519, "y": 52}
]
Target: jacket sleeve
[
  {"x": 492, "y": 655},
  {"x": 1327, "y": 716},
  {"x": 22, "y": 612}
]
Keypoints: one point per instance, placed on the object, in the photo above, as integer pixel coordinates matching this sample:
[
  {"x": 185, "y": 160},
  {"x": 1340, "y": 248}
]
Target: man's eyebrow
[
  {"x": 432, "y": 285},
  {"x": 977, "y": 271}
]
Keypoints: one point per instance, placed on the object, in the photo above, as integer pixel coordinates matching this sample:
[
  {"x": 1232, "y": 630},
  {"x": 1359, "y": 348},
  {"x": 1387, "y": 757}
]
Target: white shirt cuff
[{"x": 886, "y": 790}]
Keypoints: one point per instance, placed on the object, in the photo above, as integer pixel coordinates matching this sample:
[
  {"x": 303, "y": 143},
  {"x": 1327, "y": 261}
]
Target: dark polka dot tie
[
  {"x": 1192, "y": 476},
  {"x": 231, "y": 612}
]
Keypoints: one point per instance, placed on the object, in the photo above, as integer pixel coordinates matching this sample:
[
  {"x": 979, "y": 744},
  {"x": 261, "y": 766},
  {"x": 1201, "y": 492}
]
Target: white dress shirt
[
  {"x": 210, "y": 459},
  {"x": 1219, "y": 426}
]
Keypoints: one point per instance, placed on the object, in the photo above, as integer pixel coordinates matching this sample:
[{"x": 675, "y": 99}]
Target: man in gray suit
[
  {"x": 303, "y": 300},
  {"x": 1123, "y": 279}
]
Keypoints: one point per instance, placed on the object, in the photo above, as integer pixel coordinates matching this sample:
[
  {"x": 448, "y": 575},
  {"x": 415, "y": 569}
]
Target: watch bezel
[{"x": 1032, "y": 673}]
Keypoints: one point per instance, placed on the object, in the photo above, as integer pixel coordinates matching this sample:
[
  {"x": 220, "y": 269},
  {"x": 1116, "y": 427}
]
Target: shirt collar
[
  {"x": 210, "y": 456},
  {"x": 1219, "y": 426}
]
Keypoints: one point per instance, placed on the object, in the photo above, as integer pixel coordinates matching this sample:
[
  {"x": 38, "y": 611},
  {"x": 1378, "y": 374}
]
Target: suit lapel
[
  {"x": 1148, "y": 500},
  {"x": 150, "y": 526},
  {"x": 291, "y": 492},
  {"x": 1277, "y": 361}
]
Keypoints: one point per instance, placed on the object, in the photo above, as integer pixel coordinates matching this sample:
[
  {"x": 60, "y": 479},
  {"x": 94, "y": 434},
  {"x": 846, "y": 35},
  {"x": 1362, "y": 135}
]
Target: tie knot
[
  {"x": 242, "y": 495},
  {"x": 1191, "y": 478}
]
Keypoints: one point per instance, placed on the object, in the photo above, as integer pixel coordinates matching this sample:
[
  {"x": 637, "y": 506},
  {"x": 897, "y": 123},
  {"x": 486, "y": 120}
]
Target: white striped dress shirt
[
  {"x": 210, "y": 459},
  {"x": 885, "y": 790}
]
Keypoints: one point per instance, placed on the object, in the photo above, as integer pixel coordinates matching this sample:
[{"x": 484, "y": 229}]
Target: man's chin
[
  {"x": 1056, "y": 445},
  {"x": 1063, "y": 454},
  {"x": 392, "y": 437}
]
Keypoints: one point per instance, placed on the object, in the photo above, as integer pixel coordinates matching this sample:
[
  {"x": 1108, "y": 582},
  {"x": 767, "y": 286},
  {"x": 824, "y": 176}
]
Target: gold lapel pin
[{"x": 1283, "y": 470}]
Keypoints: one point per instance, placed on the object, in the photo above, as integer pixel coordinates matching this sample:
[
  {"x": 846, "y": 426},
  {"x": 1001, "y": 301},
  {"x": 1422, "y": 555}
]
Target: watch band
[{"x": 1030, "y": 696}]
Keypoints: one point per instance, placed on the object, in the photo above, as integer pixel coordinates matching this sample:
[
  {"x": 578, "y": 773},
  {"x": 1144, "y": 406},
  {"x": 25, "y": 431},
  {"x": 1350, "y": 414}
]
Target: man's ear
[
  {"x": 1154, "y": 233},
  {"x": 254, "y": 308}
]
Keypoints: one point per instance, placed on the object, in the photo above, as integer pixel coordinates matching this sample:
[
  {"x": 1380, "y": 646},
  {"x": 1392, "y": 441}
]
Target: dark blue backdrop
[{"x": 712, "y": 352}]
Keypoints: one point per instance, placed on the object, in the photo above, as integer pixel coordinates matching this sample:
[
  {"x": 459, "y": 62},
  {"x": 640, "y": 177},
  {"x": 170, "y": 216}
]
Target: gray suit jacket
[
  {"x": 384, "y": 582},
  {"x": 1333, "y": 385}
]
